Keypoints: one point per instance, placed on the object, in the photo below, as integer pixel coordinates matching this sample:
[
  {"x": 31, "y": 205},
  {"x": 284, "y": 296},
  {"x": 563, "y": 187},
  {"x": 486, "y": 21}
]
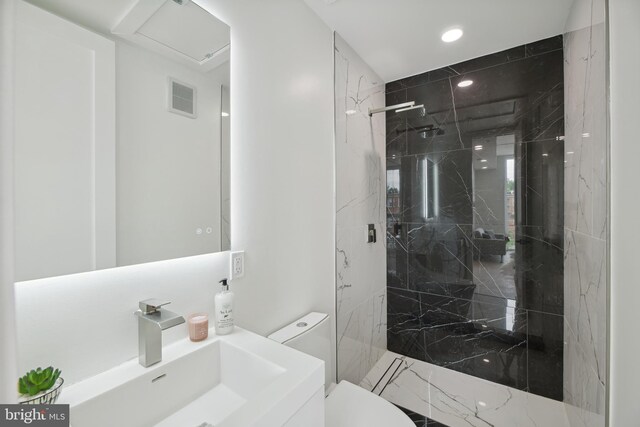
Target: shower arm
[{"x": 373, "y": 111}]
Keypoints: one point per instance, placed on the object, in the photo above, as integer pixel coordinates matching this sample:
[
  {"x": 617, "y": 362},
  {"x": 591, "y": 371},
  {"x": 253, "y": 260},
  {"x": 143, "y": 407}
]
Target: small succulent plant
[{"x": 38, "y": 380}]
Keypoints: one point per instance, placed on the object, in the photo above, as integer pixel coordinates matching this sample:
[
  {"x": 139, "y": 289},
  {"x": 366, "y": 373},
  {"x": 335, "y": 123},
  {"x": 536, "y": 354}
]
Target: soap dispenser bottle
[{"x": 224, "y": 309}]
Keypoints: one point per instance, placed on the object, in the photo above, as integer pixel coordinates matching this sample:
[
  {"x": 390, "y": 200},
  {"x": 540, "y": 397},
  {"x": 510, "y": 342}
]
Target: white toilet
[{"x": 346, "y": 404}]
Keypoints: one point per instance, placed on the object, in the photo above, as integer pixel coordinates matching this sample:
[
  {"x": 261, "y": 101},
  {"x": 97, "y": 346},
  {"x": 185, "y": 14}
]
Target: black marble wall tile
[
  {"x": 484, "y": 340},
  {"x": 395, "y": 97},
  {"x": 543, "y": 117},
  {"x": 403, "y": 319},
  {"x": 440, "y": 138},
  {"x": 446, "y": 180},
  {"x": 545, "y": 348},
  {"x": 544, "y": 46},
  {"x": 397, "y": 255},
  {"x": 411, "y": 81},
  {"x": 396, "y": 126},
  {"x": 539, "y": 271},
  {"x": 542, "y": 174},
  {"x": 494, "y": 317},
  {"x": 492, "y": 60},
  {"x": 420, "y": 420},
  {"x": 498, "y": 342},
  {"x": 440, "y": 259}
]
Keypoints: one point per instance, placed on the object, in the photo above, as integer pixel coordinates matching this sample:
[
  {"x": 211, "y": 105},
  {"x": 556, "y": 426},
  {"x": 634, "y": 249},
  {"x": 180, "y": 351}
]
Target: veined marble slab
[
  {"x": 360, "y": 201},
  {"x": 460, "y": 400},
  {"x": 586, "y": 218}
]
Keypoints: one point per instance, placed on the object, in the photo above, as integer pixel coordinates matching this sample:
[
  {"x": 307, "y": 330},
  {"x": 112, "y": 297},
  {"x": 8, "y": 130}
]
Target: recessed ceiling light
[
  {"x": 451, "y": 35},
  {"x": 569, "y": 152},
  {"x": 350, "y": 112},
  {"x": 224, "y": 114},
  {"x": 485, "y": 360},
  {"x": 484, "y": 167},
  {"x": 545, "y": 155},
  {"x": 483, "y": 160},
  {"x": 465, "y": 83},
  {"x": 481, "y": 403},
  {"x": 586, "y": 135},
  {"x": 478, "y": 147}
]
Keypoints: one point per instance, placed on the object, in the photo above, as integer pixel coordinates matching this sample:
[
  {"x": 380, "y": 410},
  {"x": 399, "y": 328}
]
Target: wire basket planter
[{"x": 47, "y": 397}]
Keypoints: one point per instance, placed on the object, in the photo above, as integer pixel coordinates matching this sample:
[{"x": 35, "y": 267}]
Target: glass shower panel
[{"x": 475, "y": 218}]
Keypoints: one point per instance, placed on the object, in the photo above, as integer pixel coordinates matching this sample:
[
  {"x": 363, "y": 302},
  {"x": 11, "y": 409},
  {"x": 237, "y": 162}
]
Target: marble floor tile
[
  {"x": 361, "y": 338},
  {"x": 457, "y": 400}
]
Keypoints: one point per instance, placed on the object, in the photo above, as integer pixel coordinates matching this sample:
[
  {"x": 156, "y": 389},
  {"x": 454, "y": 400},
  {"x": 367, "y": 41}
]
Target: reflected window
[
  {"x": 510, "y": 315},
  {"x": 430, "y": 188},
  {"x": 393, "y": 191}
]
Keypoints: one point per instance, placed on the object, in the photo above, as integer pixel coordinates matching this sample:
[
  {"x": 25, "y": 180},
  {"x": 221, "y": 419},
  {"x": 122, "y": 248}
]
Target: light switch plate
[
  {"x": 371, "y": 236},
  {"x": 237, "y": 265}
]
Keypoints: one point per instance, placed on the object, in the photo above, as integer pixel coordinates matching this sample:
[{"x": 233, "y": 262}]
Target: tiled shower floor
[
  {"x": 420, "y": 420},
  {"x": 456, "y": 399}
]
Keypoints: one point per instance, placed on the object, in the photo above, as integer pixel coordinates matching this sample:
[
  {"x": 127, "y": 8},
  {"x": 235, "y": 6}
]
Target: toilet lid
[{"x": 351, "y": 406}]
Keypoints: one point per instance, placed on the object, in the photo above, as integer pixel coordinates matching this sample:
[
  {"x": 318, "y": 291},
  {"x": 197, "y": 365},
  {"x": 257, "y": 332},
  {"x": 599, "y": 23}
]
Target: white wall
[
  {"x": 225, "y": 169},
  {"x": 624, "y": 34},
  {"x": 84, "y": 323},
  {"x": 64, "y": 152},
  {"x": 168, "y": 165},
  {"x": 7, "y": 322},
  {"x": 282, "y": 206}
]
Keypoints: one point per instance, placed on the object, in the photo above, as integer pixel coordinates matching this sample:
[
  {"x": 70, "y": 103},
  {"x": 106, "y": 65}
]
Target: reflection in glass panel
[
  {"x": 430, "y": 188},
  {"x": 393, "y": 191},
  {"x": 494, "y": 216},
  {"x": 474, "y": 243}
]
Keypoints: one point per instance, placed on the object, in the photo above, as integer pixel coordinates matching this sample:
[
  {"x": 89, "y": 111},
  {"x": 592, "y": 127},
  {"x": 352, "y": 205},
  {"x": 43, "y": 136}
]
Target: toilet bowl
[{"x": 346, "y": 404}]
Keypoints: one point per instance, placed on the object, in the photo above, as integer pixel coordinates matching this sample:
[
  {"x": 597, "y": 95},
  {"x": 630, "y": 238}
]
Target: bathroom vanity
[{"x": 241, "y": 379}]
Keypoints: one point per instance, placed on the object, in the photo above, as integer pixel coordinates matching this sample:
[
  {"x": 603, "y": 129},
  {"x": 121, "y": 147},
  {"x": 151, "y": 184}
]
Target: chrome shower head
[
  {"x": 415, "y": 111},
  {"x": 400, "y": 108}
]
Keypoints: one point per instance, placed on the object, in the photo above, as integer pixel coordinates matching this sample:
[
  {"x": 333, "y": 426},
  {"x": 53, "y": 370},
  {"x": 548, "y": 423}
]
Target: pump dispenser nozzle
[{"x": 225, "y": 285}]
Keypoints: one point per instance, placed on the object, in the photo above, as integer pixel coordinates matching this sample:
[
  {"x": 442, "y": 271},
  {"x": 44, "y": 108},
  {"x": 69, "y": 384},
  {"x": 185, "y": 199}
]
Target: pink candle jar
[{"x": 198, "y": 326}]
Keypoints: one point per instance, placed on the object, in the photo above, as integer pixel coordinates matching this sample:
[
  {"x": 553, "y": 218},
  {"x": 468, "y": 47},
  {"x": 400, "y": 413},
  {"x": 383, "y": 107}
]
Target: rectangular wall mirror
[{"x": 122, "y": 134}]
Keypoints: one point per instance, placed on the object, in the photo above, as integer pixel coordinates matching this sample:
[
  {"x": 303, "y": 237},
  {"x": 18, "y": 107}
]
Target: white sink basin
[{"x": 241, "y": 379}]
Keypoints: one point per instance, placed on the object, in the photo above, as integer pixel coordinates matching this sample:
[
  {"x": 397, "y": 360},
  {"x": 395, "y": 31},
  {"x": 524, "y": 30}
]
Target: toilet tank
[{"x": 310, "y": 334}]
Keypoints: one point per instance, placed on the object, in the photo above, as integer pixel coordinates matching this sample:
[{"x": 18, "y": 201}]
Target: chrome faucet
[{"x": 151, "y": 322}]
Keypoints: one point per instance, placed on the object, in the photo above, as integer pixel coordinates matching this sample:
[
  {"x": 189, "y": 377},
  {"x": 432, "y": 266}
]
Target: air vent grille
[{"x": 182, "y": 98}]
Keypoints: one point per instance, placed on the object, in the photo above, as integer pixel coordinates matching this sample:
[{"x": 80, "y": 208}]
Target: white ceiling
[
  {"x": 401, "y": 38},
  {"x": 97, "y": 15},
  {"x": 186, "y": 33}
]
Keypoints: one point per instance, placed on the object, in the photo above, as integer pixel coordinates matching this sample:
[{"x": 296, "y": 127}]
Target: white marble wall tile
[
  {"x": 597, "y": 129},
  {"x": 585, "y": 128},
  {"x": 360, "y": 141},
  {"x": 578, "y": 149},
  {"x": 585, "y": 293},
  {"x": 360, "y": 200},
  {"x": 362, "y": 337},
  {"x": 584, "y": 392},
  {"x": 586, "y": 218},
  {"x": 360, "y": 273}
]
